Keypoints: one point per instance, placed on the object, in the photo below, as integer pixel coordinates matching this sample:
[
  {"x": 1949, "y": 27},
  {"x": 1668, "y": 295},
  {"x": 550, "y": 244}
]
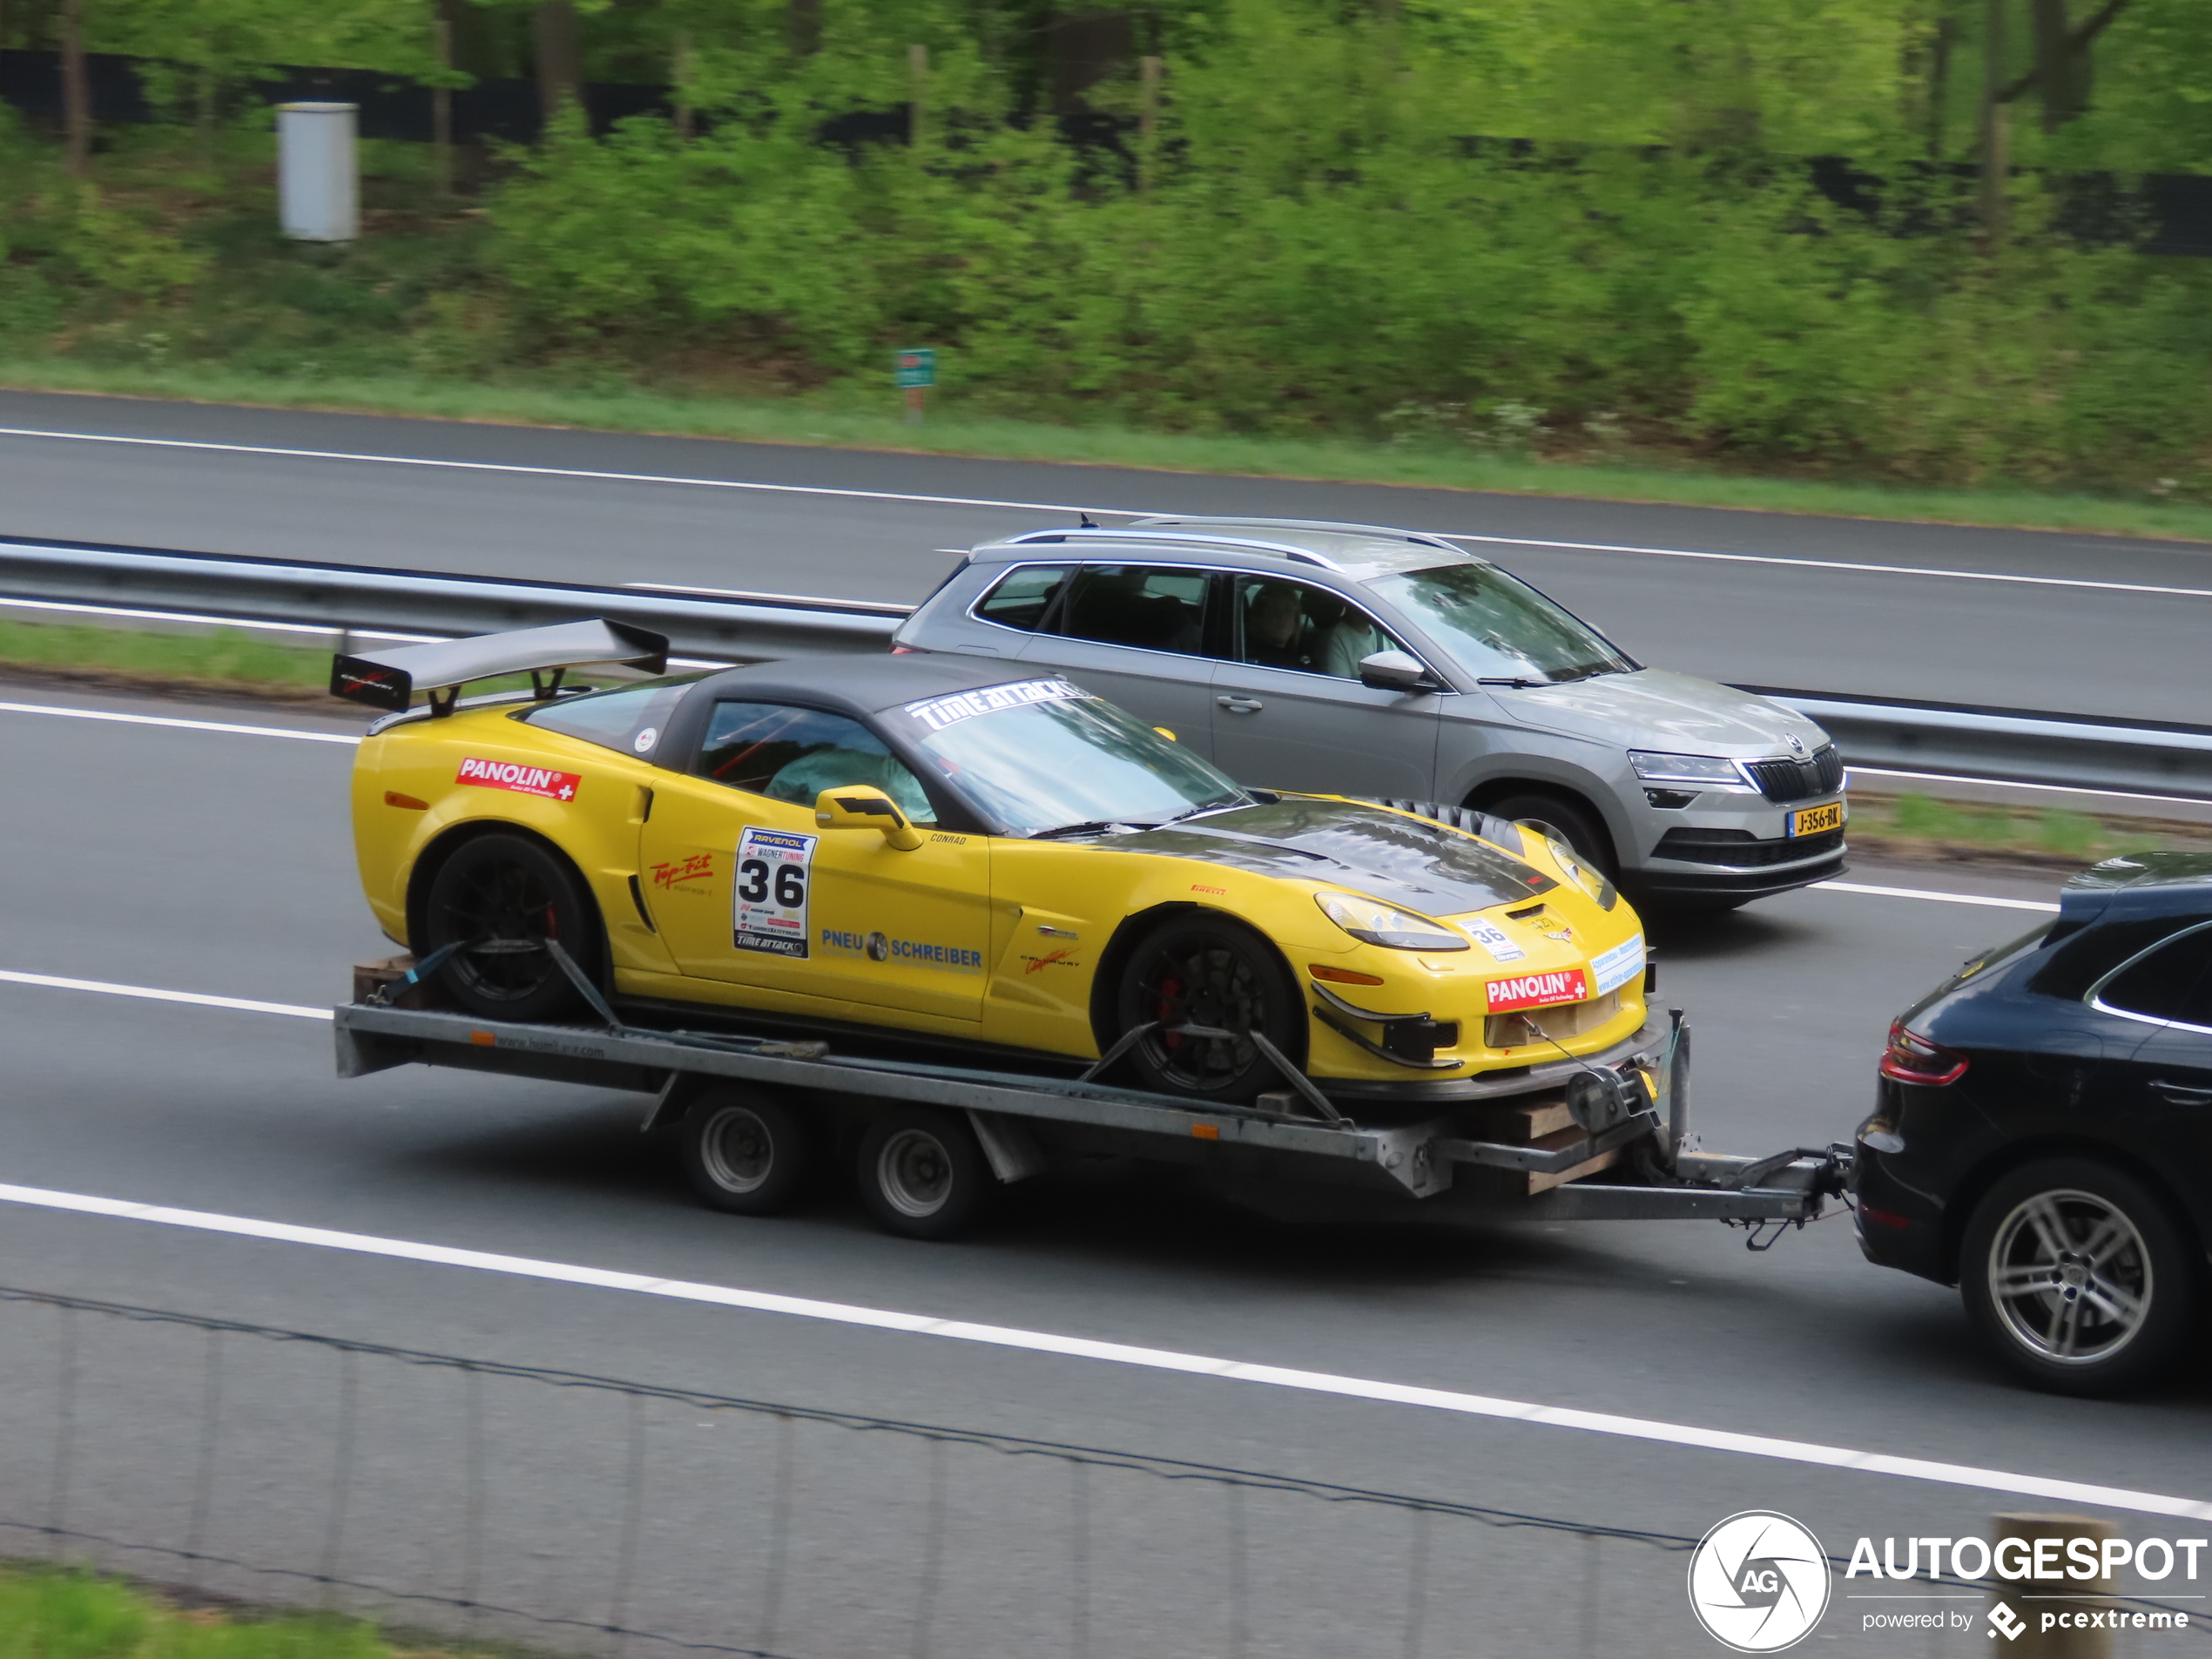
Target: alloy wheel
[{"x": 2070, "y": 1277}]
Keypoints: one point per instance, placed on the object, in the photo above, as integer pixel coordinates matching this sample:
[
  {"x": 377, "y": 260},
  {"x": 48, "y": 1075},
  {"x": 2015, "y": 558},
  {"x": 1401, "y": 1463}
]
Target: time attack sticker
[
  {"x": 774, "y": 871},
  {"x": 523, "y": 780},
  {"x": 938, "y": 712}
]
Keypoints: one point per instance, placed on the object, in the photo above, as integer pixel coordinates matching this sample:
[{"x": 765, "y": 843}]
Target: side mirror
[
  {"x": 865, "y": 806},
  {"x": 1392, "y": 670}
]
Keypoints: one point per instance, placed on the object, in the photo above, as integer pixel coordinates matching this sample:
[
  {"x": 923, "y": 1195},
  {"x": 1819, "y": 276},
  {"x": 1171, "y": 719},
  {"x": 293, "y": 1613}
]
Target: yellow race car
[{"x": 947, "y": 849}]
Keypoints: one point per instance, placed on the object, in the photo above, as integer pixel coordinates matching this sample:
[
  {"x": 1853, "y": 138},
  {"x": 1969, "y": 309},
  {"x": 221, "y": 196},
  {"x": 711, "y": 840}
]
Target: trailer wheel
[
  {"x": 746, "y": 1154},
  {"x": 922, "y": 1175},
  {"x": 503, "y": 896},
  {"x": 2078, "y": 1278}
]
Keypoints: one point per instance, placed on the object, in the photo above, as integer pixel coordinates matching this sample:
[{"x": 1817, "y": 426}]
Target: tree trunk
[
  {"x": 1946, "y": 37},
  {"x": 560, "y": 56},
  {"x": 803, "y": 27},
  {"x": 76, "y": 93},
  {"x": 679, "y": 71},
  {"x": 442, "y": 102},
  {"x": 1995, "y": 135}
]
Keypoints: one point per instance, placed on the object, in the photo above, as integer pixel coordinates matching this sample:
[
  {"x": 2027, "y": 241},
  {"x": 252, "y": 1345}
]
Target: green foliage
[
  {"x": 1335, "y": 242},
  {"x": 226, "y": 655}
]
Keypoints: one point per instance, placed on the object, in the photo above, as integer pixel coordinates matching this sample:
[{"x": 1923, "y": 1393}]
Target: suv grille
[
  {"x": 1823, "y": 774},
  {"x": 1737, "y": 849}
]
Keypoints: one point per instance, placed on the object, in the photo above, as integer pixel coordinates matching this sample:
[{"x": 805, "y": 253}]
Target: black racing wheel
[
  {"x": 504, "y": 897},
  {"x": 2079, "y": 1277},
  {"x": 1215, "y": 974}
]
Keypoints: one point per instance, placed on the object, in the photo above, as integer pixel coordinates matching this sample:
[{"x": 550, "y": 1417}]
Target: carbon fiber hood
[{"x": 1405, "y": 862}]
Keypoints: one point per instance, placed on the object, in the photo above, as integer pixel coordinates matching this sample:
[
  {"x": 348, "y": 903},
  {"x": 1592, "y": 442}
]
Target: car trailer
[{"x": 1605, "y": 1137}]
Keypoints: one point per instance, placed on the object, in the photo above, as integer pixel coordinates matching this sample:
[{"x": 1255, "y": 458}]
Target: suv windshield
[
  {"x": 1045, "y": 755},
  {"x": 1497, "y": 627}
]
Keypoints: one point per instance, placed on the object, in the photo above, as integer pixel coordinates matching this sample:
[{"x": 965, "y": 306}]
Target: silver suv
[{"x": 1356, "y": 660}]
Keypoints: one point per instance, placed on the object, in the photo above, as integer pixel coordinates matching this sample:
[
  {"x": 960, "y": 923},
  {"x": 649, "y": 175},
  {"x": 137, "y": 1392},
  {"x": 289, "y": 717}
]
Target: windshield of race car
[{"x": 1041, "y": 755}]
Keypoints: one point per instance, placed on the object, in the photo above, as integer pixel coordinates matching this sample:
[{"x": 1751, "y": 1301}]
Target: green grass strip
[
  {"x": 226, "y": 657},
  {"x": 799, "y": 420},
  {"x": 60, "y": 1614}
]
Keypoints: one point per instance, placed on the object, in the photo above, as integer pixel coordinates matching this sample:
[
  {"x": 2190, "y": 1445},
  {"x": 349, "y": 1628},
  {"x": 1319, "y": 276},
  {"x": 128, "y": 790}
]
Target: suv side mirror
[
  {"x": 865, "y": 806},
  {"x": 1392, "y": 670}
]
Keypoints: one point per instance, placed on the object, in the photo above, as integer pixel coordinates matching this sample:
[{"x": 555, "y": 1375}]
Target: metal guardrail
[
  {"x": 733, "y": 629},
  {"x": 2015, "y": 745},
  {"x": 2009, "y": 744}
]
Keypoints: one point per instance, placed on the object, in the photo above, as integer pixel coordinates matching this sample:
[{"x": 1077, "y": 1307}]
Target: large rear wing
[{"x": 388, "y": 679}]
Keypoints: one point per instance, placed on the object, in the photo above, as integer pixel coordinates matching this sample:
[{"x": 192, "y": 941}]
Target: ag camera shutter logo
[{"x": 1759, "y": 1582}]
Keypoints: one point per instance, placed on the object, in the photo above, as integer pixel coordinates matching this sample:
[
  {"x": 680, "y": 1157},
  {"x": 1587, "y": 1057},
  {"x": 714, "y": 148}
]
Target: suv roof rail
[
  {"x": 1419, "y": 538},
  {"x": 1251, "y": 544}
]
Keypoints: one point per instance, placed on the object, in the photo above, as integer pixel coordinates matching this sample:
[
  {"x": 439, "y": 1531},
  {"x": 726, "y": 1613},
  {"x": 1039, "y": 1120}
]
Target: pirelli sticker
[
  {"x": 1536, "y": 990},
  {"x": 938, "y": 712}
]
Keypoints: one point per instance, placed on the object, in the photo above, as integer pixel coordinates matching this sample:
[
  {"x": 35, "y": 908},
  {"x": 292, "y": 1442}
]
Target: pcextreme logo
[{"x": 1759, "y": 1582}]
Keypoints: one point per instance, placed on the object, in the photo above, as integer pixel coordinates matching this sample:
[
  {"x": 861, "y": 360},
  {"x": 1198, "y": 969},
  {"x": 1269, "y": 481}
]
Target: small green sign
[{"x": 918, "y": 367}]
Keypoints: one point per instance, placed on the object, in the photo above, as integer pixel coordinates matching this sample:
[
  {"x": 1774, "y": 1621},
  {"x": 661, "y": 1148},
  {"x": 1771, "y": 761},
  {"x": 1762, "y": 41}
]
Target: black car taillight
[{"x": 1911, "y": 1058}]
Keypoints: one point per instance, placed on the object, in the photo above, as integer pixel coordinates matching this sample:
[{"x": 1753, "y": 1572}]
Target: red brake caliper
[{"x": 1170, "y": 988}]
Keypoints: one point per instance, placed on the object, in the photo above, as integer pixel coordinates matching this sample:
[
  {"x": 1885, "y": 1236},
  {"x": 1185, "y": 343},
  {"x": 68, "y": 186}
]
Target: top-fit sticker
[
  {"x": 1615, "y": 967},
  {"x": 774, "y": 867},
  {"x": 1494, "y": 939},
  {"x": 938, "y": 712},
  {"x": 523, "y": 780}
]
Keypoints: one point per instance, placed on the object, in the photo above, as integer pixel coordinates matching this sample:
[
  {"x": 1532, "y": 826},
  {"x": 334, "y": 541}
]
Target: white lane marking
[
  {"x": 558, "y": 472},
  {"x": 1835, "y": 564},
  {"x": 1061, "y": 507},
  {"x": 187, "y": 726},
  {"x": 1931, "y": 895},
  {"x": 2009, "y": 782},
  {"x": 198, "y": 998},
  {"x": 1607, "y": 1423}
]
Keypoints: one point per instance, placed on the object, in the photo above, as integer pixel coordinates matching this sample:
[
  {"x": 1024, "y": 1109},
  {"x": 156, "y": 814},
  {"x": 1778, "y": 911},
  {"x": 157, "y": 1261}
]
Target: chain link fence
[{"x": 588, "y": 1515}]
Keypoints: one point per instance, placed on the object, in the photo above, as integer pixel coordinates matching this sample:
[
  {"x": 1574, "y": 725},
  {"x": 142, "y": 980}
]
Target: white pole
[{"x": 317, "y": 176}]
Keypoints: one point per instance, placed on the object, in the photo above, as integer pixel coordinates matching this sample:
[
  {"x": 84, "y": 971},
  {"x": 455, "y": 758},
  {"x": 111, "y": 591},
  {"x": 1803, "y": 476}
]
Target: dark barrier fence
[{"x": 578, "y": 1513}]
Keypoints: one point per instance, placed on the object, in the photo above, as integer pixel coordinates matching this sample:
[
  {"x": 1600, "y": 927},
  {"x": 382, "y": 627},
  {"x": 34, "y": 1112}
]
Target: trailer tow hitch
[{"x": 1829, "y": 1177}]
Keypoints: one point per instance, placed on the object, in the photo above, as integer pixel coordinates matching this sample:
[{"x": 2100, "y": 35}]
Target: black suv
[{"x": 2043, "y": 1135}]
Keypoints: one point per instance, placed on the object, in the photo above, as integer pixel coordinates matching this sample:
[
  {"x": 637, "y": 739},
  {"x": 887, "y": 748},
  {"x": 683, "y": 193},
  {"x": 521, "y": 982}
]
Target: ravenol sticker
[
  {"x": 1615, "y": 967},
  {"x": 1494, "y": 939},
  {"x": 770, "y": 892},
  {"x": 938, "y": 712},
  {"x": 523, "y": 780},
  {"x": 1537, "y": 990}
]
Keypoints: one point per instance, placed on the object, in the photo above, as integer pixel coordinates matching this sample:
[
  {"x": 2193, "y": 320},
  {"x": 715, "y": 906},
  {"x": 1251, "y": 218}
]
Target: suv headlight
[
  {"x": 1684, "y": 769},
  {"x": 1373, "y": 923}
]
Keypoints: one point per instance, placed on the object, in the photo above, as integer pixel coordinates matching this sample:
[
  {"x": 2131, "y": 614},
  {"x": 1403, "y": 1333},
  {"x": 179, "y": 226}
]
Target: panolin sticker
[
  {"x": 1537, "y": 990},
  {"x": 1494, "y": 939},
  {"x": 1618, "y": 966},
  {"x": 774, "y": 871},
  {"x": 523, "y": 780}
]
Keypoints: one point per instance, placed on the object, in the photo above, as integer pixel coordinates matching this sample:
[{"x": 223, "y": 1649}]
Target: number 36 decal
[
  {"x": 790, "y": 880},
  {"x": 769, "y": 904}
]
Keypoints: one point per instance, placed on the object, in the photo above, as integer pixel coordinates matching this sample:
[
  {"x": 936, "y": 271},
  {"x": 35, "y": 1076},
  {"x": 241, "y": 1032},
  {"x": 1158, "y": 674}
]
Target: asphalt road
[
  {"x": 219, "y": 863},
  {"x": 865, "y": 525}
]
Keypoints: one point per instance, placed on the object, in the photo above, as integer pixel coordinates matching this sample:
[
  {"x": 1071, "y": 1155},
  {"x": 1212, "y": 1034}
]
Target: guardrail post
[{"x": 2030, "y": 1606}]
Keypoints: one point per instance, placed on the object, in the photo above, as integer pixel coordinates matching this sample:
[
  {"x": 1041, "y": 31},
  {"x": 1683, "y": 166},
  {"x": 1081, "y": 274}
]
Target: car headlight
[
  {"x": 1584, "y": 874},
  {"x": 1684, "y": 769},
  {"x": 1375, "y": 923}
]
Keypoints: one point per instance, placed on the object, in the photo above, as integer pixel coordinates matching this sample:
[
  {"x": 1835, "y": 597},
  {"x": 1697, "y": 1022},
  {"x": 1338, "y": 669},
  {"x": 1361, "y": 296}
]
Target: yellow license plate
[{"x": 1817, "y": 820}]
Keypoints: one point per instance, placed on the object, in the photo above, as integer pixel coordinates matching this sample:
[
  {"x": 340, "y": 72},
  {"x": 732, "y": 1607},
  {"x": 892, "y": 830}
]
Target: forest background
[{"x": 1567, "y": 228}]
